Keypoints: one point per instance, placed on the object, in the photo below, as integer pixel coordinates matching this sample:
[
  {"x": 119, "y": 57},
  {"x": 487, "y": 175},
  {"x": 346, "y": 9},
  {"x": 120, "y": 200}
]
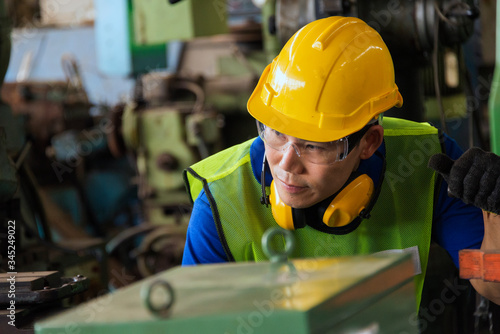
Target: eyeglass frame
[{"x": 352, "y": 141}]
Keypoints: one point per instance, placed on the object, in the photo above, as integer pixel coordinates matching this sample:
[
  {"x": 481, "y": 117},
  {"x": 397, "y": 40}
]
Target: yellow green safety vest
[{"x": 400, "y": 219}]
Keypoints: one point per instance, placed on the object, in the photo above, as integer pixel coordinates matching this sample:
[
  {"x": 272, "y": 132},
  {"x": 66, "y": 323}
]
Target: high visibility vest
[{"x": 400, "y": 220}]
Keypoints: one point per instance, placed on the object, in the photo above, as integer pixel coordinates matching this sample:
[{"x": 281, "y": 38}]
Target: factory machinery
[{"x": 97, "y": 195}]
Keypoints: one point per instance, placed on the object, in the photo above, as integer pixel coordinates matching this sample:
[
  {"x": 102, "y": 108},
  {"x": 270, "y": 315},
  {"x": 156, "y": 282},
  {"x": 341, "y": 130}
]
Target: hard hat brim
[{"x": 275, "y": 119}]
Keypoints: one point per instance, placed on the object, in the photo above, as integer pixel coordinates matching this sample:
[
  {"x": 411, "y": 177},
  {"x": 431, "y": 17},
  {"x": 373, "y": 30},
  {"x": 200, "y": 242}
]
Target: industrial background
[{"x": 105, "y": 102}]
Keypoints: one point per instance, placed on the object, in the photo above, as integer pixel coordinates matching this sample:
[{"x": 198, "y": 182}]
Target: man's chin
[{"x": 298, "y": 203}]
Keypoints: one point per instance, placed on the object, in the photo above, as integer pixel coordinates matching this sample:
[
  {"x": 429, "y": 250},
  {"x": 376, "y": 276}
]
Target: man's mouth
[{"x": 290, "y": 187}]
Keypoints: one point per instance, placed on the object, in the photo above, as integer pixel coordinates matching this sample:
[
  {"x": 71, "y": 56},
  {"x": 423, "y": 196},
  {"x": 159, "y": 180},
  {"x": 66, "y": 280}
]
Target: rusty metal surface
[
  {"x": 40, "y": 287},
  {"x": 50, "y": 107}
]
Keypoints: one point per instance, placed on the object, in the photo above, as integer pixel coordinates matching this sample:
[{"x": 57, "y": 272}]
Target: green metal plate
[{"x": 301, "y": 296}]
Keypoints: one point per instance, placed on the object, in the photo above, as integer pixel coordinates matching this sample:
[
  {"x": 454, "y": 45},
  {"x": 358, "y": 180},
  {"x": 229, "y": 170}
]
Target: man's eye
[
  {"x": 277, "y": 134},
  {"x": 311, "y": 147}
]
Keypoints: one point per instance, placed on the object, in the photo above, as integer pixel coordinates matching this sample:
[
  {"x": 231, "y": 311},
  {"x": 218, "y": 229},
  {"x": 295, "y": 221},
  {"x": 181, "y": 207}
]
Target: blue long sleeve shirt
[{"x": 456, "y": 225}]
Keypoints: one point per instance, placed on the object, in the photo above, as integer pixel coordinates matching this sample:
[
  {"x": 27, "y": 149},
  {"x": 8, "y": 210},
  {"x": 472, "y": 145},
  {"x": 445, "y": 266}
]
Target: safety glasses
[{"x": 321, "y": 153}]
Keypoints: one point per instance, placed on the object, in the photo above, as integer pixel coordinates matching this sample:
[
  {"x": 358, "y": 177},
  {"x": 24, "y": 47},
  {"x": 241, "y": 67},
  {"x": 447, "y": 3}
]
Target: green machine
[
  {"x": 361, "y": 294},
  {"x": 167, "y": 125},
  {"x": 133, "y": 36},
  {"x": 494, "y": 100}
]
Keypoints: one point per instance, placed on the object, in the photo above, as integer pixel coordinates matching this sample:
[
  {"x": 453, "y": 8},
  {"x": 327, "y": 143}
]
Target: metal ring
[
  {"x": 272, "y": 254},
  {"x": 162, "y": 310}
]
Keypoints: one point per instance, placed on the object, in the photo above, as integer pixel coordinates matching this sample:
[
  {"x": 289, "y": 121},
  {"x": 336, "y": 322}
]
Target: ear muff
[
  {"x": 282, "y": 213},
  {"x": 349, "y": 203},
  {"x": 335, "y": 212}
]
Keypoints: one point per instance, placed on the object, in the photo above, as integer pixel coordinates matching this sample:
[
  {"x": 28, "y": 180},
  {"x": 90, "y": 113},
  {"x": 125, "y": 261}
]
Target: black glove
[{"x": 474, "y": 177}]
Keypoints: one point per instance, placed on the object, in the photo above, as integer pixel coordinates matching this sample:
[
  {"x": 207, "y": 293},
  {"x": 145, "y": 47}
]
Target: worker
[{"x": 328, "y": 166}]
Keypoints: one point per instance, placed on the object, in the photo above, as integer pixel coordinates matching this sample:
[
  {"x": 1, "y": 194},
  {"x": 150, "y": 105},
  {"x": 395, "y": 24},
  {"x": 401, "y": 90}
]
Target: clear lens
[{"x": 323, "y": 153}]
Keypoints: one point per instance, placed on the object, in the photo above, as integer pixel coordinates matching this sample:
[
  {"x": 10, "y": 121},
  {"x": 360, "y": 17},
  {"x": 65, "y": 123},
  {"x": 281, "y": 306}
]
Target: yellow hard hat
[{"x": 330, "y": 79}]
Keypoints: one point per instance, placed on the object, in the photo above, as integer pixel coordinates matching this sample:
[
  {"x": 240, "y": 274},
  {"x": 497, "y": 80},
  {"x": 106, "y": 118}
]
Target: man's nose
[
  {"x": 285, "y": 148},
  {"x": 290, "y": 160}
]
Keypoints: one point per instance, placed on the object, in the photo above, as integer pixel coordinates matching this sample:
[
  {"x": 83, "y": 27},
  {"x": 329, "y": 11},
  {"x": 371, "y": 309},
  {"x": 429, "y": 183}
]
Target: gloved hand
[{"x": 474, "y": 177}]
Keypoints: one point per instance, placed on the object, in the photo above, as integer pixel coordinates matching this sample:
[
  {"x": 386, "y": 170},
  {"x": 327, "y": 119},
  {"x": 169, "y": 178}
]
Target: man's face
[{"x": 301, "y": 183}]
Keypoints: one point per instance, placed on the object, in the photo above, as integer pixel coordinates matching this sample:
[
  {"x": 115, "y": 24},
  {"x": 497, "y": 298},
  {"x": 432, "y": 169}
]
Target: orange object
[
  {"x": 470, "y": 262},
  {"x": 478, "y": 264},
  {"x": 491, "y": 266}
]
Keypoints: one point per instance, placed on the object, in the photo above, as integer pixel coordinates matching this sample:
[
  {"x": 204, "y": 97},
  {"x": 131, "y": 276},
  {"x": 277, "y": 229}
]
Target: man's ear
[{"x": 371, "y": 141}]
